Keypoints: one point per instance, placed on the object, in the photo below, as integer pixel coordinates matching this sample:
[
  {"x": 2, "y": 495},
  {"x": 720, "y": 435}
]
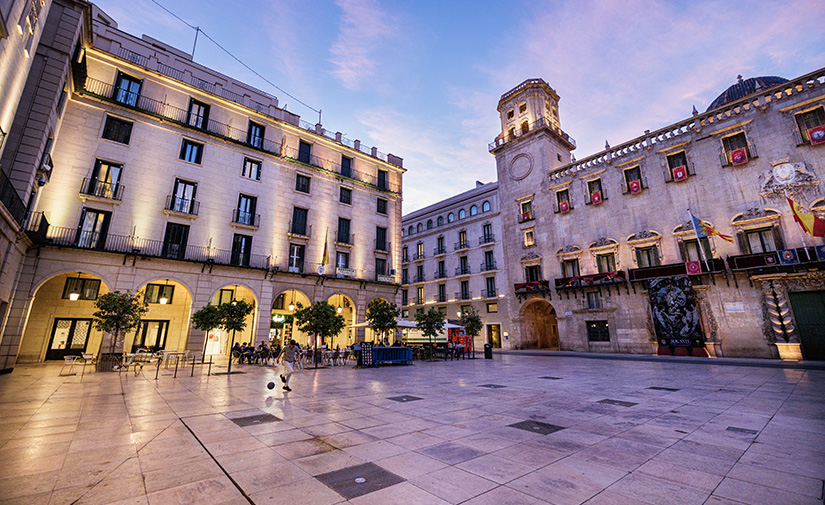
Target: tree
[
  {"x": 381, "y": 315},
  {"x": 116, "y": 314},
  {"x": 233, "y": 318},
  {"x": 319, "y": 319},
  {"x": 207, "y": 319},
  {"x": 472, "y": 324},
  {"x": 430, "y": 323}
]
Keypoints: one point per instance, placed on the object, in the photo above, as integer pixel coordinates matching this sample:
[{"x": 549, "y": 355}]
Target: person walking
[{"x": 287, "y": 355}]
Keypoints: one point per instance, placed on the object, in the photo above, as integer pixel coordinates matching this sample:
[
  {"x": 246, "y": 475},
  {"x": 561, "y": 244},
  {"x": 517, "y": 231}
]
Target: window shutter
[
  {"x": 777, "y": 238},
  {"x": 639, "y": 258},
  {"x": 683, "y": 251},
  {"x": 705, "y": 243},
  {"x": 744, "y": 247},
  {"x": 656, "y": 260}
]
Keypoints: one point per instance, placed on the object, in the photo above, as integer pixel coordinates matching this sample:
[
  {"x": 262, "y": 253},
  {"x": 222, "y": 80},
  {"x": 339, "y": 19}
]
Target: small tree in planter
[
  {"x": 430, "y": 323},
  {"x": 116, "y": 314},
  {"x": 233, "y": 318},
  {"x": 319, "y": 319},
  {"x": 381, "y": 315},
  {"x": 207, "y": 319},
  {"x": 472, "y": 324}
]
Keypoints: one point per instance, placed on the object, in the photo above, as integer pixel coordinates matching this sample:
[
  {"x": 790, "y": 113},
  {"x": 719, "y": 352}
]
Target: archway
[
  {"x": 540, "y": 329},
  {"x": 282, "y": 327},
  {"x": 166, "y": 324},
  {"x": 346, "y": 309},
  {"x": 60, "y": 320},
  {"x": 219, "y": 341}
]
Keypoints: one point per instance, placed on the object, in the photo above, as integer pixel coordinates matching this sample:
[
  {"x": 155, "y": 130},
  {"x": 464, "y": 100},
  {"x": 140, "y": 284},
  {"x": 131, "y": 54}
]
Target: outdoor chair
[{"x": 70, "y": 361}]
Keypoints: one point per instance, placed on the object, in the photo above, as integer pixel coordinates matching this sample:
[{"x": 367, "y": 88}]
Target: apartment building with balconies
[{"x": 452, "y": 259}]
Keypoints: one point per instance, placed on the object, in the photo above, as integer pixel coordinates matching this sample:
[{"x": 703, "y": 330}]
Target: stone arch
[
  {"x": 281, "y": 326},
  {"x": 540, "y": 329},
  {"x": 167, "y": 323},
  {"x": 220, "y": 341}
]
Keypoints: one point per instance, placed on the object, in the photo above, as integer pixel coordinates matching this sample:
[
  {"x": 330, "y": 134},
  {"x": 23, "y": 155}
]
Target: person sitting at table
[
  {"x": 237, "y": 351},
  {"x": 247, "y": 353},
  {"x": 263, "y": 353}
]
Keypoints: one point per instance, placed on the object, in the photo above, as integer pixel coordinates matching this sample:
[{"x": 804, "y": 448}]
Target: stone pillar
[{"x": 18, "y": 315}]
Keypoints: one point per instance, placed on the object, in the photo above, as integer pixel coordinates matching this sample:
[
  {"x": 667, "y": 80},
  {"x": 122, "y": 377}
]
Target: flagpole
[
  {"x": 698, "y": 241},
  {"x": 798, "y": 226}
]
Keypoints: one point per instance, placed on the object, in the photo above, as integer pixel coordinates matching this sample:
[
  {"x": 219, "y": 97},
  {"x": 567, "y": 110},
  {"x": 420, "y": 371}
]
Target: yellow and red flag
[
  {"x": 807, "y": 220},
  {"x": 704, "y": 229}
]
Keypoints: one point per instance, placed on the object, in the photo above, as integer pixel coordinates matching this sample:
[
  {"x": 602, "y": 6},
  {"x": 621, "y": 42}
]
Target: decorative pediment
[
  {"x": 531, "y": 257},
  {"x": 785, "y": 178},
  {"x": 644, "y": 236},
  {"x": 755, "y": 218},
  {"x": 568, "y": 252},
  {"x": 603, "y": 242}
]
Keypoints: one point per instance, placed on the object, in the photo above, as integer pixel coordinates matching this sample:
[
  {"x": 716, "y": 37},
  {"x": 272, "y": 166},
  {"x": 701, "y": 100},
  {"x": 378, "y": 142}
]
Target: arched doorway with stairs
[
  {"x": 540, "y": 329},
  {"x": 60, "y": 321}
]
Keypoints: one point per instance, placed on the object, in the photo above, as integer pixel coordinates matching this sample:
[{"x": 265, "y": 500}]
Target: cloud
[{"x": 364, "y": 28}]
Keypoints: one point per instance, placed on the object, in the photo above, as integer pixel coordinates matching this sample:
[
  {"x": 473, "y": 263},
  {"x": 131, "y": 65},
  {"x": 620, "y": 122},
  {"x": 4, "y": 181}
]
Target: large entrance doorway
[
  {"x": 494, "y": 335},
  {"x": 809, "y": 309},
  {"x": 151, "y": 335},
  {"x": 541, "y": 330},
  {"x": 69, "y": 338}
]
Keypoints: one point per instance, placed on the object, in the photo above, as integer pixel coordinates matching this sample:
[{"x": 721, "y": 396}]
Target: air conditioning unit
[
  {"x": 635, "y": 186},
  {"x": 392, "y": 271},
  {"x": 680, "y": 173},
  {"x": 596, "y": 197}
]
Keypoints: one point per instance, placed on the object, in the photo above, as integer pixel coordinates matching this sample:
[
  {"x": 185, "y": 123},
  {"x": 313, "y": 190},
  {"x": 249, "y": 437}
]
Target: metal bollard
[
  {"x": 193, "y": 367},
  {"x": 177, "y": 359},
  {"x": 210, "y": 366},
  {"x": 157, "y": 371}
]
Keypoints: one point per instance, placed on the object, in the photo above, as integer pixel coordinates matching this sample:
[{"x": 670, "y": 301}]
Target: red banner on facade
[
  {"x": 635, "y": 187},
  {"x": 596, "y": 197},
  {"x": 817, "y": 135},
  {"x": 693, "y": 267},
  {"x": 680, "y": 173},
  {"x": 564, "y": 206},
  {"x": 739, "y": 156}
]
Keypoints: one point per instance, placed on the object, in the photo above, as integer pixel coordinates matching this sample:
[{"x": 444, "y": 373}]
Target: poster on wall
[{"x": 675, "y": 314}]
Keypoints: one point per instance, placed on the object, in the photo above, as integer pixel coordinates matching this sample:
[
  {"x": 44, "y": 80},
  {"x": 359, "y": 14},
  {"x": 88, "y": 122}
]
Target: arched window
[
  {"x": 429, "y": 224},
  {"x": 511, "y": 133},
  {"x": 440, "y": 221},
  {"x": 485, "y": 207},
  {"x": 450, "y": 217},
  {"x": 525, "y": 127},
  {"x": 419, "y": 228},
  {"x": 410, "y": 230},
  {"x": 473, "y": 210},
  {"x": 462, "y": 214}
]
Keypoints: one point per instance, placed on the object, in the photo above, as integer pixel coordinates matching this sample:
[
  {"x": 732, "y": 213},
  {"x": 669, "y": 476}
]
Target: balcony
[
  {"x": 382, "y": 245},
  {"x": 334, "y": 167},
  {"x": 537, "y": 124},
  {"x": 626, "y": 188},
  {"x": 182, "y": 205},
  {"x": 462, "y": 245},
  {"x": 167, "y": 112},
  {"x": 488, "y": 265},
  {"x": 462, "y": 295},
  {"x": 601, "y": 279},
  {"x": 525, "y": 216},
  {"x": 299, "y": 230},
  {"x": 405, "y": 279},
  {"x": 714, "y": 265},
  {"x": 463, "y": 270},
  {"x": 344, "y": 238},
  {"x": 419, "y": 300},
  {"x": 438, "y": 251},
  {"x": 487, "y": 239},
  {"x": 126, "y": 244},
  {"x": 557, "y": 207},
  {"x": 418, "y": 256},
  {"x": 246, "y": 218},
  {"x": 100, "y": 189},
  {"x": 726, "y": 157},
  {"x": 440, "y": 274},
  {"x": 690, "y": 170},
  {"x": 770, "y": 262},
  {"x": 441, "y": 298},
  {"x": 419, "y": 278},
  {"x": 12, "y": 201},
  {"x": 489, "y": 293},
  {"x": 529, "y": 287}
]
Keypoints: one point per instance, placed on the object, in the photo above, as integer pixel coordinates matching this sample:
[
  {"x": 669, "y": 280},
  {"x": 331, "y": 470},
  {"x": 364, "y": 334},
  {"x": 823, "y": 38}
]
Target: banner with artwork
[{"x": 675, "y": 313}]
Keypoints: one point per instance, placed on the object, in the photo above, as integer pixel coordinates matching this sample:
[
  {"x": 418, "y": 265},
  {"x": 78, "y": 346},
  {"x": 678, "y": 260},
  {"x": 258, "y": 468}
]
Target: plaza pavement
[{"x": 518, "y": 429}]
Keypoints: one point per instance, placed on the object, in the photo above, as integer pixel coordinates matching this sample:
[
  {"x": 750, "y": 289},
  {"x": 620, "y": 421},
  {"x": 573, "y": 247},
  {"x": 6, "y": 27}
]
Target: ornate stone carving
[
  {"x": 645, "y": 234},
  {"x": 602, "y": 242},
  {"x": 711, "y": 326},
  {"x": 570, "y": 248},
  {"x": 774, "y": 330},
  {"x": 784, "y": 177},
  {"x": 521, "y": 166},
  {"x": 754, "y": 213},
  {"x": 530, "y": 256}
]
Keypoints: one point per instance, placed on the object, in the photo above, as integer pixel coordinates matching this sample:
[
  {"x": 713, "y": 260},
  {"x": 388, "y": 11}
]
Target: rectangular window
[
  {"x": 105, "y": 180},
  {"x": 183, "y": 197},
  {"x": 442, "y": 270},
  {"x": 606, "y": 262},
  {"x": 632, "y": 174},
  {"x": 570, "y": 268},
  {"x": 647, "y": 256},
  {"x": 808, "y": 120},
  {"x": 464, "y": 266},
  {"x": 489, "y": 261},
  {"x": 302, "y": 183},
  {"x": 251, "y": 169},
  {"x": 341, "y": 260},
  {"x": 597, "y": 331},
  {"x": 381, "y": 267},
  {"x": 85, "y": 289},
  {"x": 380, "y": 238},
  {"x": 191, "y": 151},
  {"x": 225, "y": 296},
  {"x": 594, "y": 300},
  {"x": 296, "y": 258},
  {"x": 197, "y": 115},
  {"x": 127, "y": 89},
  {"x": 299, "y": 221},
  {"x": 465, "y": 290},
  {"x": 442, "y": 293},
  {"x": 241, "y": 250},
  {"x": 419, "y": 273},
  {"x": 419, "y": 250},
  {"x": 760, "y": 241},
  {"x": 346, "y": 166},
  {"x": 487, "y": 233},
  {"x": 677, "y": 167},
  {"x": 343, "y": 231},
  {"x": 734, "y": 146},
  {"x": 117, "y": 130},
  {"x": 419, "y": 295},
  {"x": 492, "y": 308},
  {"x": 491, "y": 286},
  {"x": 529, "y": 239},
  {"x": 691, "y": 252},
  {"x": 594, "y": 186},
  {"x": 255, "y": 135},
  {"x": 345, "y": 196},
  {"x": 381, "y": 206},
  {"x": 404, "y": 297},
  {"x": 405, "y": 276},
  {"x": 304, "y": 152},
  {"x": 440, "y": 248},
  {"x": 382, "y": 179},
  {"x": 563, "y": 200},
  {"x": 174, "y": 242},
  {"x": 245, "y": 213},
  {"x": 405, "y": 313},
  {"x": 533, "y": 273},
  {"x": 93, "y": 228},
  {"x": 462, "y": 240},
  {"x": 405, "y": 256},
  {"x": 526, "y": 211},
  {"x": 154, "y": 292}
]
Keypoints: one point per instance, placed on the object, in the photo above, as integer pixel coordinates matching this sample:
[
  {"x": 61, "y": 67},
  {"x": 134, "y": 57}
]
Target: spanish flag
[
  {"x": 807, "y": 220},
  {"x": 325, "y": 259},
  {"x": 704, "y": 229}
]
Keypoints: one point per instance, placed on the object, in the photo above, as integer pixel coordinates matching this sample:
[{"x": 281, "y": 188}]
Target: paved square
[{"x": 751, "y": 432}]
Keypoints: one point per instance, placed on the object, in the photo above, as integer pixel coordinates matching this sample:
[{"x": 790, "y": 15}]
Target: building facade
[
  {"x": 179, "y": 182},
  {"x": 452, "y": 259},
  {"x": 602, "y": 253}
]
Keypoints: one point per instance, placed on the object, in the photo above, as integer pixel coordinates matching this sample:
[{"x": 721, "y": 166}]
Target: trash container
[{"x": 488, "y": 351}]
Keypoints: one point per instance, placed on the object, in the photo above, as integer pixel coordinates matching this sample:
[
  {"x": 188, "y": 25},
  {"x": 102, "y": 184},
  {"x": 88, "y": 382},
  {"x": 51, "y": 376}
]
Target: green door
[{"x": 809, "y": 309}]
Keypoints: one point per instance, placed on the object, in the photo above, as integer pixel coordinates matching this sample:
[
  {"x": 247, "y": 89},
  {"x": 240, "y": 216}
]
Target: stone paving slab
[{"x": 523, "y": 428}]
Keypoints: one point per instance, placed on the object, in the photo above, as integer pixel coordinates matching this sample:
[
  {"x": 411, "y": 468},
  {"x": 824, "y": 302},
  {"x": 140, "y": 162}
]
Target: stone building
[
  {"x": 452, "y": 259},
  {"x": 193, "y": 188},
  {"x": 584, "y": 240}
]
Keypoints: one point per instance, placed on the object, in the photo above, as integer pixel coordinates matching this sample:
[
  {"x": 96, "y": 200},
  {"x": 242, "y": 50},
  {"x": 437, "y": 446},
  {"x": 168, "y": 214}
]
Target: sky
[{"x": 421, "y": 78}]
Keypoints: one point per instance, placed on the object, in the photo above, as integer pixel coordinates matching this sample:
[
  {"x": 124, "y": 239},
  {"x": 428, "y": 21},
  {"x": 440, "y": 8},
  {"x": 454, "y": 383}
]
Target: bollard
[
  {"x": 209, "y": 372},
  {"x": 193, "y": 367},
  {"x": 157, "y": 371},
  {"x": 177, "y": 358}
]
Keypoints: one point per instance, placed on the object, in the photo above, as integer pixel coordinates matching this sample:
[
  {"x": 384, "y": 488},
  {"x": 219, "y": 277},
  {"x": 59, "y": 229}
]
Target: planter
[{"x": 789, "y": 351}]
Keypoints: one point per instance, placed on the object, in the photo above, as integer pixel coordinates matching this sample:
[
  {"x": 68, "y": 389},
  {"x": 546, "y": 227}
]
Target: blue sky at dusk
[{"x": 421, "y": 79}]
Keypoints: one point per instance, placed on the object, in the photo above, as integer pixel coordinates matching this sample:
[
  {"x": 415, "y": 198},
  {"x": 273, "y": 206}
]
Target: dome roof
[{"x": 744, "y": 88}]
